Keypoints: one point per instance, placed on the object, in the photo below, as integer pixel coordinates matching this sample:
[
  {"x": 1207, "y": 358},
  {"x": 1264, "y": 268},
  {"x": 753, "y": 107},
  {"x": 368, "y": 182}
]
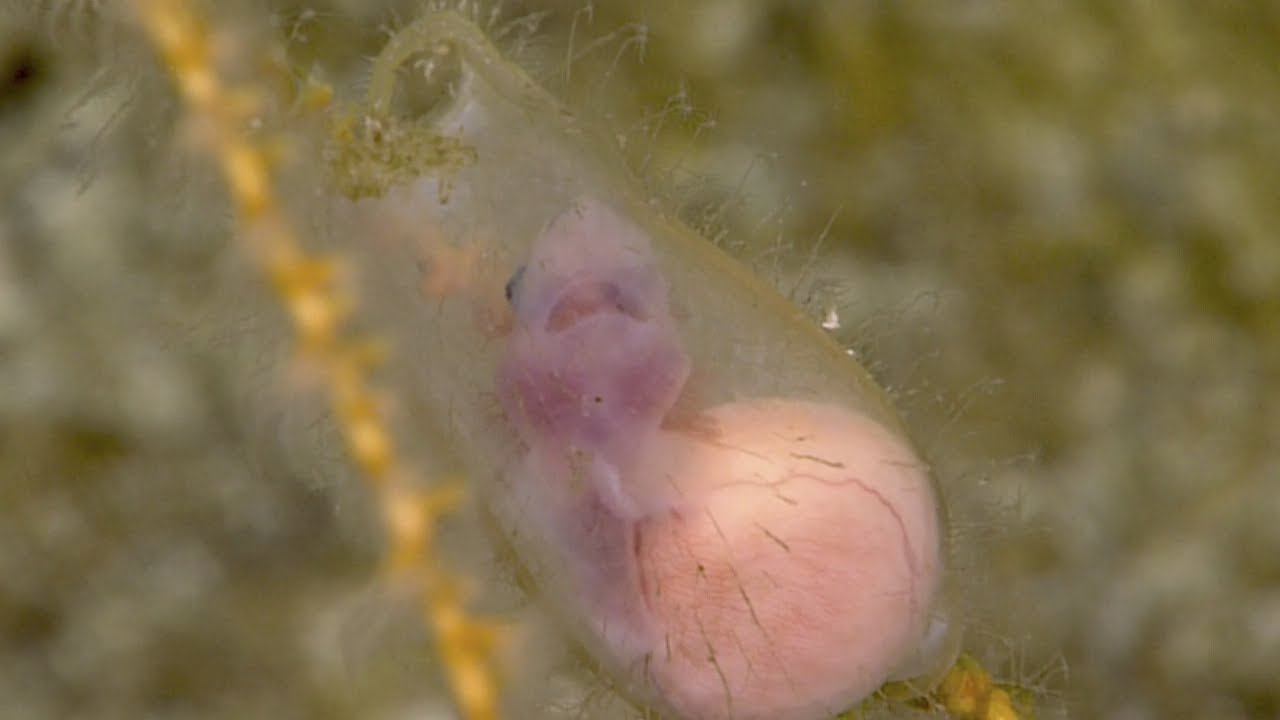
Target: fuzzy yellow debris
[{"x": 969, "y": 693}]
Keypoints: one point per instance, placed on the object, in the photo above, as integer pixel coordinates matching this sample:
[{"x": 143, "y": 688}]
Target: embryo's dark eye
[{"x": 513, "y": 285}]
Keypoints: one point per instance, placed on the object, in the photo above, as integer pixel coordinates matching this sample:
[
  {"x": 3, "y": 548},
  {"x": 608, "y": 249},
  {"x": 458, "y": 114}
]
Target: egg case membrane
[{"x": 446, "y": 262}]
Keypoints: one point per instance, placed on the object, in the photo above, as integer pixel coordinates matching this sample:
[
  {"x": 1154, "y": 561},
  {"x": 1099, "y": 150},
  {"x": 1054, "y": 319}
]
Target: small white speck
[{"x": 831, "y": 321}]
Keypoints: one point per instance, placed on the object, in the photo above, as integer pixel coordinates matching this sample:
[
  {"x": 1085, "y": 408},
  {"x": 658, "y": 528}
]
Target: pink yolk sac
[
  {"x": 780, "y": 559},
  {"x": 798, "y": 569}
]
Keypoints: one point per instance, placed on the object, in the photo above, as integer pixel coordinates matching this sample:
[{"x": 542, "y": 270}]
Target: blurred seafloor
[{"x": 1050, "y": 228}]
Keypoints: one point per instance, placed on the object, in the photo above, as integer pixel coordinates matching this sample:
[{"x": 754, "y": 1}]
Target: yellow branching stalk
[{"x": 318, "y": 307}]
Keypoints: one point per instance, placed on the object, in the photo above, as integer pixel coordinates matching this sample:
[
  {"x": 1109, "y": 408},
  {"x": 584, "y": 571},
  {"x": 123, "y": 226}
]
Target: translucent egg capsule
[{"x": 713, "y": 500}]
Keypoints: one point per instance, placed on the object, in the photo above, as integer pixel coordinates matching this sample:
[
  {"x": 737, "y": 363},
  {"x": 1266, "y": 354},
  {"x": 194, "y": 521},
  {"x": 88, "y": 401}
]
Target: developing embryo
[{"x": 766, "y": 557}]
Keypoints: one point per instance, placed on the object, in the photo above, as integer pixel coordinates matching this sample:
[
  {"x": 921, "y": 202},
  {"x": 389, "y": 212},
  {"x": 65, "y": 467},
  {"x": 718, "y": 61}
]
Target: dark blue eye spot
[{"x": 513, "y": 285}]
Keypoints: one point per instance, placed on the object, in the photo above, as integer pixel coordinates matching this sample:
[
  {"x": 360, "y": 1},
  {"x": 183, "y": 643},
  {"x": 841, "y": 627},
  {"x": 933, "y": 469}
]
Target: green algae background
[{"x": 1049, "y": 228}]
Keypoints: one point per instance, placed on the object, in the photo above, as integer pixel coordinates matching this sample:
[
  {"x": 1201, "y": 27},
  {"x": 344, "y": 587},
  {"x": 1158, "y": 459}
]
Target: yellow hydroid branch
[{"x": 317, "y": 306}]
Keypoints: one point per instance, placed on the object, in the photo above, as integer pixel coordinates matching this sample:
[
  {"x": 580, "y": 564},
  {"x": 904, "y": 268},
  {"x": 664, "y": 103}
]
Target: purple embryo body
[{"x": 594, "y": 362}]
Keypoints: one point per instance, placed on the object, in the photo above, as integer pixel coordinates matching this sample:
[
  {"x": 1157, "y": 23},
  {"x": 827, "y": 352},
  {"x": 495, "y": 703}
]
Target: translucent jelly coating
[{"x": 780, "y": 561}]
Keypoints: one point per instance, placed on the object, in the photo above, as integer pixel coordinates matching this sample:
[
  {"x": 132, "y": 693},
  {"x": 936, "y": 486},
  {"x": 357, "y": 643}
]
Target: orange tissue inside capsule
[{"x": 584, "y": 299}]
